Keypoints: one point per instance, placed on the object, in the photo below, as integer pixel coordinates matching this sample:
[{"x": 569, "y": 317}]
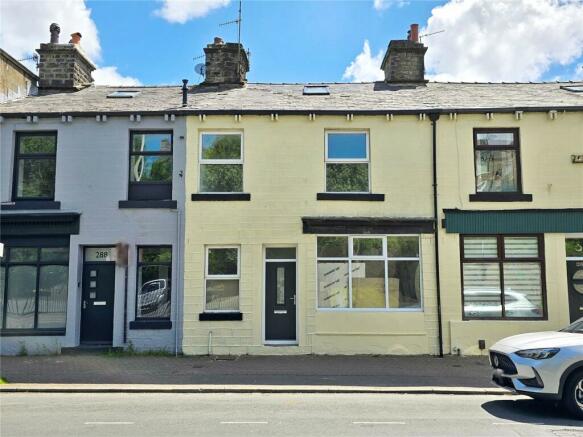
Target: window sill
[
  {"x": 500, "y": 197},
  {"x": 366, "y": 197},
  {"x": 220, "y": 197},
  {"x": 207, "y": 317},
  {"x": 31, "y": 204},
  {"x": 151, "y": 324},
  {"x": 138, "y": 204},
  {"x": 31, "y": 332}
]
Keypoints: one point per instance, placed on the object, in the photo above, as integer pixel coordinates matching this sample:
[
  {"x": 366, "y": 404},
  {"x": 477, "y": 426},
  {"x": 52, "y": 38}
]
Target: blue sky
[{"x": 154, "y": 42}]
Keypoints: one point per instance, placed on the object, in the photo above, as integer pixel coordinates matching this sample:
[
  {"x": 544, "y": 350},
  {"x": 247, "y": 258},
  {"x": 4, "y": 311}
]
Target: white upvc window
[
  {"x": 222, "y": 275},
  {"x": 221, "y": 162},
  {"x": 369, "y": 273},
  {"x": 347, "y": 162}
]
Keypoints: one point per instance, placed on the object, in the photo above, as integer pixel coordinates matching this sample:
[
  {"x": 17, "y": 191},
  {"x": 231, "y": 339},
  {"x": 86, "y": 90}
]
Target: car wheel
[{"x": 573, "y": 394}]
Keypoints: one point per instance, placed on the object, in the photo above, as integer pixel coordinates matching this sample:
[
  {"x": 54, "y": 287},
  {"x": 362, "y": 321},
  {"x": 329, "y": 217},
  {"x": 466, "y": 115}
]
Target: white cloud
[
  {"x": 578, "y": 72},
  {"x": 502, "y": 40},
  {"x": 24, "y": 24},
  {"x": 110, "y": 76},
  {"x": 365, "y": 67},
  {"x": 180, "y": 11},
  {"x": 380, "y": 5}
]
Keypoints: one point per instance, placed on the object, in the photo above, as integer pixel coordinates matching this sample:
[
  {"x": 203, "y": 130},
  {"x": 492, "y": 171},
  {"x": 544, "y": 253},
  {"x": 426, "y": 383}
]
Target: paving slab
[{"x": 304, "y": 370}]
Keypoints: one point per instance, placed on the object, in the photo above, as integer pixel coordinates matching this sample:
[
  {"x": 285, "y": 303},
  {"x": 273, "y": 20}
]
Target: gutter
[
  {"x": 434, "y": 117},
  {"x": 383, "y": 112}
]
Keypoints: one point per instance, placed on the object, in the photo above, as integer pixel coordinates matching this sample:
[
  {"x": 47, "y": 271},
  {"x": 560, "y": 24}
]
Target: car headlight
[{"x": 538, "y": 354}]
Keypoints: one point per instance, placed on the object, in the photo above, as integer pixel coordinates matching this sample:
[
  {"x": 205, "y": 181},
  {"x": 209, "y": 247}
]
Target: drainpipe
[{"x": 434, "y": 117}]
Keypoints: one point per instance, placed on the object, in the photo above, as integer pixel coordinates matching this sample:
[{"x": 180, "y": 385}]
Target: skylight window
[
  {"x": 316, "y": 90},
  {"x": 573, "y": 88},
  {"x": 123, "y": 94}
]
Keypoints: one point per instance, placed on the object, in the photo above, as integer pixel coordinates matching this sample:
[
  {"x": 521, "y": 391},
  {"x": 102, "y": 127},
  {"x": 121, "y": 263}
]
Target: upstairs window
[
  {"x": 150, "y": 165},
  {"x": 34, "y": 166},
  {"x": 497, "y": 161},
  {"x": 221, "y": 163},
  {"x": 347, "y": 162}
]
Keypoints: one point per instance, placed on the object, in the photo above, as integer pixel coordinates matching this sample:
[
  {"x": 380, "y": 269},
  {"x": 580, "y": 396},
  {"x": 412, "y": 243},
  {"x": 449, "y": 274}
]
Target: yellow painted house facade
[{"x": 395, "y": 217}]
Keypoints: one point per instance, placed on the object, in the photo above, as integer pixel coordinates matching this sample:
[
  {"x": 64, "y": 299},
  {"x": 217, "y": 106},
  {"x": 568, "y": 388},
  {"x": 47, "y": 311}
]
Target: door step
[{"x": 89, "y": 349}]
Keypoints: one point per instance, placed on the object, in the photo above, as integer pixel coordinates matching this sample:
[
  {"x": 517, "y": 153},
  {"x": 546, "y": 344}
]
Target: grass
[
  {"x": 2, "y": 381},
  {"x": 130, "y": 351}
]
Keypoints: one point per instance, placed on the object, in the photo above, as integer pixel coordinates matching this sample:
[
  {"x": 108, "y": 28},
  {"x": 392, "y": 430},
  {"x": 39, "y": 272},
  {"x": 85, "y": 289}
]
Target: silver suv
[{"x": 545, "y": 365}]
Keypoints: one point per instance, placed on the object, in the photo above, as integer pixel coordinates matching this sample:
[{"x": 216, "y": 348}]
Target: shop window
[
  {"x": 347, "y": 162},
  {"x": 34, "y": 166},
  {"x": 221, "y": 163},
  {"x": 503, "y": 277},
  {"x": 150, "y": 165},
  {"x": 154, "y": 291},
  {"x": 222, "y": 274},
  {"x": 372, "y": 272},
  {"x": 34, "y": 284}
]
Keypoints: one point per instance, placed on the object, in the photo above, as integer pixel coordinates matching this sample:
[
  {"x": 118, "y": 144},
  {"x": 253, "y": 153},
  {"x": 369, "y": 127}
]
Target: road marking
[
  {"x": 379, "y": 423},
  {"x": 516, "y": 423},
  {"x": 109, "y": 423},
  {"x": 244, "y": 423}
]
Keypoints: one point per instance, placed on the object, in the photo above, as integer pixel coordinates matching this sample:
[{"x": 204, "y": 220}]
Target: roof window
[
  {"x": 573, "y": 88},
  {"x": 123, "y": 94},
  {"x": 316, "y": 90}
]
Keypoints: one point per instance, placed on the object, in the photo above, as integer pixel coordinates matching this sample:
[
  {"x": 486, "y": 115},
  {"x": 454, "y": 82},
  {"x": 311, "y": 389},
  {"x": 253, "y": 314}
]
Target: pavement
[
  {"x": 144, "y": 415},
  {"x": 425, "y": 374}
]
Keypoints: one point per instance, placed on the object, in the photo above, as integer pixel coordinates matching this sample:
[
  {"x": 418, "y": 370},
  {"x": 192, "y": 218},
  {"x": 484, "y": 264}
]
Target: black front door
[
  {"x": 280, "y": 301},
  {"x": 97, "y": 303},
  {"x": 575, "y": 278}
]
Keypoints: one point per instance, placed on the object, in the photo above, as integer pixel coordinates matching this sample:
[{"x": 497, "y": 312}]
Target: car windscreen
[{"x": 576, "y": 327}]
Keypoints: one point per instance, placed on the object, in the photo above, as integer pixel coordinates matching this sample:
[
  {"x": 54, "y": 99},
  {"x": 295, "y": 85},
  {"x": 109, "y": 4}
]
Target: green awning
[{"x": 519, "y": 221}]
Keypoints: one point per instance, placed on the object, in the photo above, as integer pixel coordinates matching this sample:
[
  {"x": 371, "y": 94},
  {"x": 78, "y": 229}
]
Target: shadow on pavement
[{"x": 531, "y": 411}]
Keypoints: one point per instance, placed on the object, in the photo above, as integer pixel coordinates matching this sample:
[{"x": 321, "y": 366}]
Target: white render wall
[{"x": 91, "y": 178}]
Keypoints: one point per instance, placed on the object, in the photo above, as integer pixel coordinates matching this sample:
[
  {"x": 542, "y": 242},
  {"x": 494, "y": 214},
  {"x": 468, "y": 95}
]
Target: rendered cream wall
[
  {"x": 283, "y": 171},
  {"x": 554, "y": 182}
]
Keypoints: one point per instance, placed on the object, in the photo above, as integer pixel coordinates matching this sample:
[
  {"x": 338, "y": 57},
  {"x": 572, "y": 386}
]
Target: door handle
[
  {"x": 293, "y": 298},
  {"x": 84, "y": 304}
]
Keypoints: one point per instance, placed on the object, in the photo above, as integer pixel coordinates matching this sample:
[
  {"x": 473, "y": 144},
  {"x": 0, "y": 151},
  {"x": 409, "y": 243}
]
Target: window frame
[
  {"x": 384, "y": 257},
  {"x": 131, "y": 183},
  {"x": 346, "y": 160},
  {"x": 202, "y": 161},
  {"x": 38, "y": 264},
  {"x": 221, "y": 277},
  {"x": 140, "y": 264},
  {"x": 514, "y": 147},
  {"x": 500, "y": 259},
  {"x": 18, "y": 156}
]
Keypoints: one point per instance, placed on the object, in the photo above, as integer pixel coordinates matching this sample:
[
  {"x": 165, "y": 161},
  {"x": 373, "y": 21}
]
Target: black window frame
[
  {"x": 20, "y": 156},
  {"x": 500, "y": 260},
  {"x": 141, "y": 264},
  {"x": 6, "y": 263},
  {"x": 142, "y": 191},
  {"x": 502, "y": 196}
]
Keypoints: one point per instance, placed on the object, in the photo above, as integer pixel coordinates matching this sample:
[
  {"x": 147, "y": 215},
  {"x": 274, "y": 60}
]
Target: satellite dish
[{"x": 200, "y": 69}]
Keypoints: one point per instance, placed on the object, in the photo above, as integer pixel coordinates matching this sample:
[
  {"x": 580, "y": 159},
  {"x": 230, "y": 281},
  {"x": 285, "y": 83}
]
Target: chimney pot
[
  {"x": 218, "y": 40},
  {"x": 414, "y": 33},
  {"x": 75, "y": 38},
  {"x": 55, "y": 31}
]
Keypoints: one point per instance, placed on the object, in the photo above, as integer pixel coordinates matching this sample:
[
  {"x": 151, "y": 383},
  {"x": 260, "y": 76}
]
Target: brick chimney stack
[
  {"x": 226, "y": 63},
  {"x": 404, "y": 61},
  {"x": 63, "y": 67}
]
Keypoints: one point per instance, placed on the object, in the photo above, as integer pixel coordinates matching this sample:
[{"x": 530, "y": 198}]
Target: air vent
[
  {"x": 123, "y": 94},
  {"x": 316, "y": 90}
]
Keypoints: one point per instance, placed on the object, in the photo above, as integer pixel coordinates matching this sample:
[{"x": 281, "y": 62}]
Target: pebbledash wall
[
  {"x": 283, "y": 170},
  {"x": 555, "y": 183},
  {"x": 91, "y": 178}
]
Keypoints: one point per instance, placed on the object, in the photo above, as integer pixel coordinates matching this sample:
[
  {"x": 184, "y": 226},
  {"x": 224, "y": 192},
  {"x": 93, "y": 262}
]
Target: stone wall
[
  {"x": 404, "y": 62},
  {"x": 14, "y": 84},
  {"x": 222, "y": 61}
]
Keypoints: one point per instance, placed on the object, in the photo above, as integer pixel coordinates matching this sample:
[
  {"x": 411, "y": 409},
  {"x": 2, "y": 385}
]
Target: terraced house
[{"x": 394, "y": 217}]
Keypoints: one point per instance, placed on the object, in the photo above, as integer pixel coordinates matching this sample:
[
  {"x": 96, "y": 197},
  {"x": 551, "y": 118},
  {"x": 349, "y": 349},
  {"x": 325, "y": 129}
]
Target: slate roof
[{"x": 373, "y": 97}]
